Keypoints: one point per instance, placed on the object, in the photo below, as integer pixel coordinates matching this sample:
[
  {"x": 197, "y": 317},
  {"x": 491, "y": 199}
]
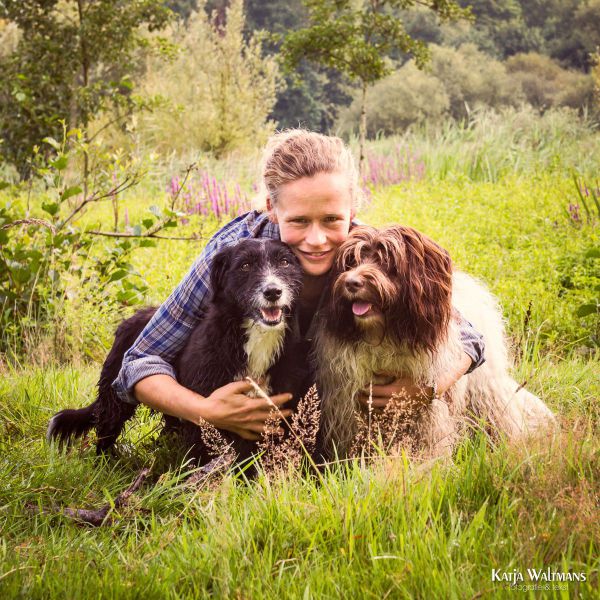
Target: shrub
[
  {"x": 472, "y": 79},
  {"x": 545, "y": 83},
  {"x": 218, "y": 90},
  {"x": 407, "y": 96},
  {"x": 47, "y": 256},
  {"x": 456, "y": 82}
]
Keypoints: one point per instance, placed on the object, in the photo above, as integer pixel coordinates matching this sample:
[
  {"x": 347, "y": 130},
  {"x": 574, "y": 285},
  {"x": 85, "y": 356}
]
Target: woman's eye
[
  {"x": 284, "y": 262},
  {"x": 245, "y": 266}
]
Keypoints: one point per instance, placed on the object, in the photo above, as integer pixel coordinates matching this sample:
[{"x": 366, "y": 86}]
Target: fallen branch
[
  {"x": 215, "y": 466},
  {"x": 100, "y": 516}
]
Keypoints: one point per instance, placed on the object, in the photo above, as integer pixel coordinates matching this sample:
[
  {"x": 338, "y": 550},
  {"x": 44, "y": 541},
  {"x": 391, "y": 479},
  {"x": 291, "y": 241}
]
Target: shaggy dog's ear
[
  {"x": 219, "y": 269},
  {"x": 425, "y": 269}
]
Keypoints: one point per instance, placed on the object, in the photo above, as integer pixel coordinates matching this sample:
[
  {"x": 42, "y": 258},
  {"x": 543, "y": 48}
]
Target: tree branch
[{"x": 116, "y": 234}]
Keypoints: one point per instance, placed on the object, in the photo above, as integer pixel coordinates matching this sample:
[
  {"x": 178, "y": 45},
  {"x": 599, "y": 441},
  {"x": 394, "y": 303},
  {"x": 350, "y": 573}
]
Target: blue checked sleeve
[
  {"x": 473, "y": 344},
  {"x": 155, "y": 350}
]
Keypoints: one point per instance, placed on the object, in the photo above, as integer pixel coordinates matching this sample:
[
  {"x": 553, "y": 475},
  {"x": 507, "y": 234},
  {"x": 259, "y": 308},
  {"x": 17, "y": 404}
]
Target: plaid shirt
[{"x": 155, "y": 350}]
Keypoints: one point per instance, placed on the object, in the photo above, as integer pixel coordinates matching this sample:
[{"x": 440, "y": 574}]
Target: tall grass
[
  {"x": 394, "y": 527},
  {"x": 490, "y": 145}
]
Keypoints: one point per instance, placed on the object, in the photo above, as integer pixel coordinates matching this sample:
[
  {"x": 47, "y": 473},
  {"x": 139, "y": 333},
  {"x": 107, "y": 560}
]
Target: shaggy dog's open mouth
[
  {"x": 272, "y": 316},
  {"x": 362, "y": 308}
]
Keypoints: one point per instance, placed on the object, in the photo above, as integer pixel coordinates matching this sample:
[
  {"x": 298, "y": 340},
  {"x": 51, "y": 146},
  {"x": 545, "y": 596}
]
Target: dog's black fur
[{"x": 253, "y": 281}]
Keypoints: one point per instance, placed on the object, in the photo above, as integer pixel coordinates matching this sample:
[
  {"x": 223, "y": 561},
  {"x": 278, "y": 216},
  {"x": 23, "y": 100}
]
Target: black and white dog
[{"x": 245, "y": 332}]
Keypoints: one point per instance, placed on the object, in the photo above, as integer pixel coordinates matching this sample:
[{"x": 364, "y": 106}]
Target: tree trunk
[
  {"x": 82, "y": 116},
  {"x": 362, "y": 128}
]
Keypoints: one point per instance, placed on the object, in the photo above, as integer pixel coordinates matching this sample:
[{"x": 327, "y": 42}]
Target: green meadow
[{"x": 395, "y": 527}]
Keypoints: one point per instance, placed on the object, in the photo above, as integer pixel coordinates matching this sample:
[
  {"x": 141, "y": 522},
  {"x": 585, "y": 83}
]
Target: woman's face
[{"x": 314, "y": 215}]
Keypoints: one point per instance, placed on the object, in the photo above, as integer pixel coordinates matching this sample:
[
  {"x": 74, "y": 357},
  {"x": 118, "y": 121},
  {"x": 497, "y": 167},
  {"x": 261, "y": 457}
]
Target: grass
[{"x": 397, "y": 528}]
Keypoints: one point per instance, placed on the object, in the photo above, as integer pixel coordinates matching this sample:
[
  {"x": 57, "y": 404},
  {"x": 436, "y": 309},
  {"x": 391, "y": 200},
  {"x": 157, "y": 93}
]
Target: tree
[
  {"x": 358, "y": 39},
  {"x": 219, "y": 89},
  {"x": 311, "y": 96},
  {"x": 74, "y": 60}
]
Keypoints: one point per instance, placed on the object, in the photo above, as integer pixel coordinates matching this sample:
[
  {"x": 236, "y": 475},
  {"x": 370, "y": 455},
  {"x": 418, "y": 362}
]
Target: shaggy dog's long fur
[
  {"x": 392, "y": 309},
  {"x": 254, "y": 284}
]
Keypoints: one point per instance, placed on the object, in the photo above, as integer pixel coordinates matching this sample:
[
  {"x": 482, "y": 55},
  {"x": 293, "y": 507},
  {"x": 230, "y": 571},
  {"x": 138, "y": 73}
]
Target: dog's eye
[
  {"x": 284, "y": 262},
  {"x": 245, "y": 266}
]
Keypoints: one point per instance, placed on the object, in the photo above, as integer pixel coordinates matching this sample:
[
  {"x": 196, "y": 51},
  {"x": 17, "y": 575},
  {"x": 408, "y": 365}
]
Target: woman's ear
[{"x": 271, "y": 211}]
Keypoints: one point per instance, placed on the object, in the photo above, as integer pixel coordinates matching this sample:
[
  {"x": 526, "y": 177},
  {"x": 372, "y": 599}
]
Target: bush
[
  {"x": 472, "y": 79},
  {"x": 460, "y": 81},
  {"x": 456, "y": 82},
  {"x": 218, "y": 91},
  {"x": 545, "y": 83},
  {"x": 407, "y": 96}
]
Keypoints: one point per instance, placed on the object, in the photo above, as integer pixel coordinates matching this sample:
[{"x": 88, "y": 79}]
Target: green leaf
[
  {"x": 60, "y": 163},
  {"x": 21, "y": 274},
  {"x": 51, "y": 207},
  {"x": 587, "y": 309},
  {"x": 118, "y": 274},
  {"x": 156, "y": 211},
  {"x": 147, "y": 223},
  {"x": 593, "y": 253},
  {"x": 70, "y": 191},
  {"x": 53, "y": 143},
  {"x": 4, "y": 185},
  {"x": 147, "y": 243}
]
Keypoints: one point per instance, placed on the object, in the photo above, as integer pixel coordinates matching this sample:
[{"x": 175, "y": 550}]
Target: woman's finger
[{"x": 376, "y": 402}]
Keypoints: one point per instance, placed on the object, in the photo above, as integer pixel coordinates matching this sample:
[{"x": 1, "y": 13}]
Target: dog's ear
[
  {"x": 425, "y": 270},
  {"x": 220, "y": 267}
]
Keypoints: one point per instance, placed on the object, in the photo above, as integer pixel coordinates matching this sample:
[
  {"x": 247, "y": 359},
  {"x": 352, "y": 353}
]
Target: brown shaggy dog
[{"x": 392, "y": 308}]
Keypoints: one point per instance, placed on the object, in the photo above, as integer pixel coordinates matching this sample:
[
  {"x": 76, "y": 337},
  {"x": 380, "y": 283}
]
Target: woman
[{"x": 311, "y": 188}]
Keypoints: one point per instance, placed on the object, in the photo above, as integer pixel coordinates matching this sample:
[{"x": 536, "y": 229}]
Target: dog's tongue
[
  {"x": 271, "y": 314},
  {"x": 361, "y": 308}
]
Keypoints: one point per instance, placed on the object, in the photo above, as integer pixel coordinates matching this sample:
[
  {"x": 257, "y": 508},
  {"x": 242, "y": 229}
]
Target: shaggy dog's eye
[
  {"x": 284, "y": 262},
  {"x": 245, "y": 266},
  {"x": 349, "y": 262}
]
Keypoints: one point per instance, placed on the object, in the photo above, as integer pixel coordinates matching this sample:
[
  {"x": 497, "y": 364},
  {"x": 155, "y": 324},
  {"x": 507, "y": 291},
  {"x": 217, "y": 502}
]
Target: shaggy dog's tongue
[
  {"x": 271, "y": 314},
  {"x": 361, "y": 308}
]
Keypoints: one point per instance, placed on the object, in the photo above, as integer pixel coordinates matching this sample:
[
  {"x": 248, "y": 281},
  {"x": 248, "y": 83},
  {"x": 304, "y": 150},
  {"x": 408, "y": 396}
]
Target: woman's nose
[{"x": 316, "y": 236}]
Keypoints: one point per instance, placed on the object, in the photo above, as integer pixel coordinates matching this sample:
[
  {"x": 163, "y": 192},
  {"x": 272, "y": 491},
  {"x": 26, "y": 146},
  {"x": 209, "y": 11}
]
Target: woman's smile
[{"x": 314, "y": 215}]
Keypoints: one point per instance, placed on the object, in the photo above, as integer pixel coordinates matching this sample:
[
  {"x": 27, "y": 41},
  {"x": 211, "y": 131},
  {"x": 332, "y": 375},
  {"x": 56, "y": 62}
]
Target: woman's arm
[
  {"x": 473, "y": 356},
  {"x": 147, "y": 374},
  {"x": 405, "y": 387},
  {"x": 226, "y": 408}
]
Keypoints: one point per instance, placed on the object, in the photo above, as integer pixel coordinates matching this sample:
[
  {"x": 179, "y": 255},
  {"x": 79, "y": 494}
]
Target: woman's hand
[
  {"x": 403, "y": 387},
  {"x": 229, "y": 408},
  {"x": 407, "y": 388},
  {"x": 226, "y": 408}
]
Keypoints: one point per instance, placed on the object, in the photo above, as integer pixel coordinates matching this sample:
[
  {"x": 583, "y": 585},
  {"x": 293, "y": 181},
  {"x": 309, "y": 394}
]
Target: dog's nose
[
  {"x": 353, "y": 284},
  {"x": 272, "y": 293}
]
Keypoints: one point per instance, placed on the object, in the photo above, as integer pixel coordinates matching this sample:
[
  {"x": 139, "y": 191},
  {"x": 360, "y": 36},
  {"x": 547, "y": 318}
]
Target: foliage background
[{"x": 493, "y": 150}]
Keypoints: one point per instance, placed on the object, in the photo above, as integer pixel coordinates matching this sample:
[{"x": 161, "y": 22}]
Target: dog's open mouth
[
  {"x": 361, "y": 309},
  {"x": 271, "y": 315}
]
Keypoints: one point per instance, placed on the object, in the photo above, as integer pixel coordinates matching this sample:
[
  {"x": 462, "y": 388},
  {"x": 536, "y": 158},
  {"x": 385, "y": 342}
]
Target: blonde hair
[{"x": 295, "y": 153}]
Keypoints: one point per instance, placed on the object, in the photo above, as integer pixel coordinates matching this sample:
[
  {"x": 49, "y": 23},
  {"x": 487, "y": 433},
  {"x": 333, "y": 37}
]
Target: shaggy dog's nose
[
  {"x": 353, "y": 284},
  {"x": 272, "y": 293}
]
